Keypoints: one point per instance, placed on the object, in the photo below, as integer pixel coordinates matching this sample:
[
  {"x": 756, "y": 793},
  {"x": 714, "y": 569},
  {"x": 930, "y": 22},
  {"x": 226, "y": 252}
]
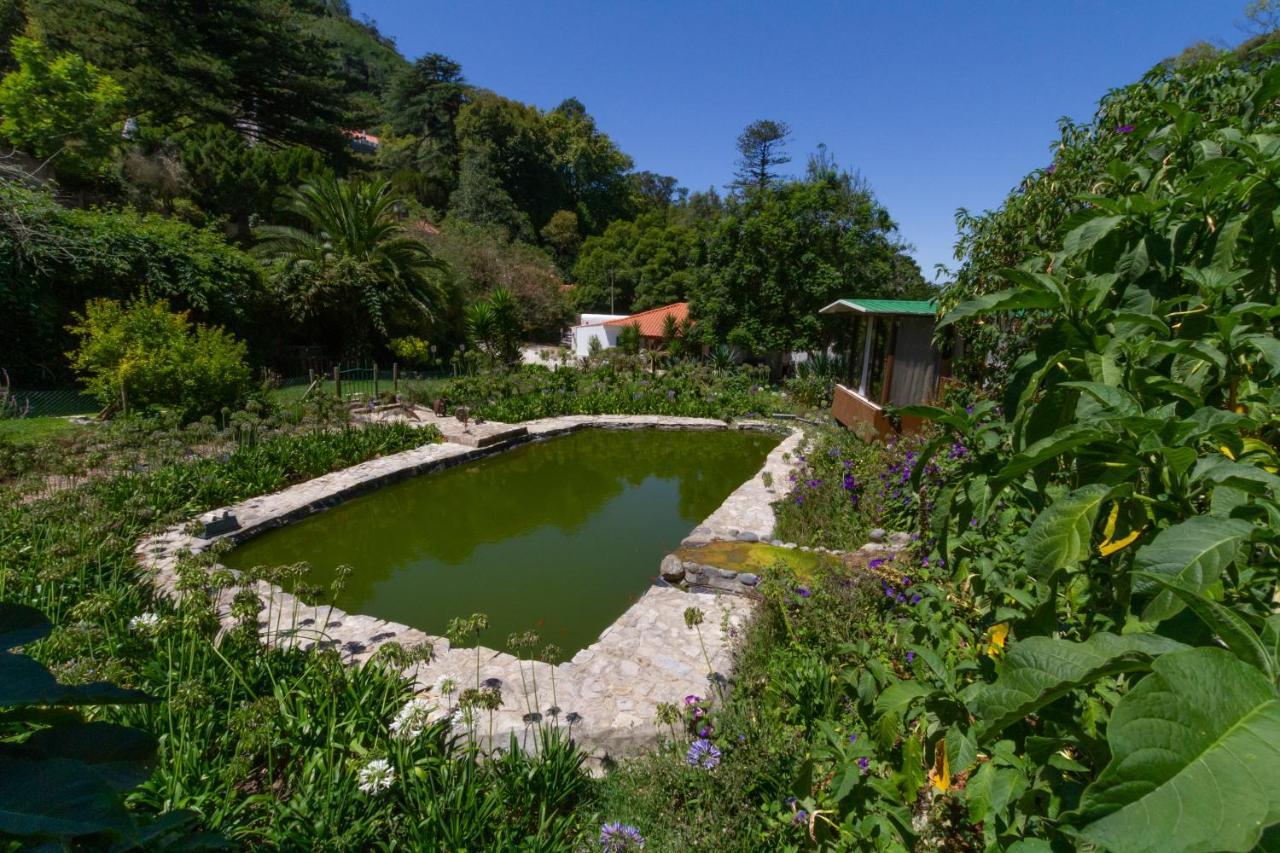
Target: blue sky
[{"x": 940, "y": 105}]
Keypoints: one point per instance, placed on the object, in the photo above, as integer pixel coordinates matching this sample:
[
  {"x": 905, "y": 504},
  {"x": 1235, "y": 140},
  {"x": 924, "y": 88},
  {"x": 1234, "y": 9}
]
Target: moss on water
[{"x": 754, "y": 557}]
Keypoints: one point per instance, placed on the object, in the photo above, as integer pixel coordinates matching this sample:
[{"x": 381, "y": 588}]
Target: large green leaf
[
  {"x": 1084, "y": 237},
  {"x": 1195, "y": 551},
  {"x": 1038, "y": 670},
  {"x": 1229, "y": 626},
  {"x": 23, "y": 681},
  {"x": 1001, "y": 300},
  {"x": 20, "y": 625},
  {"x": 1049, "y": 447},
  {"x": 1195, "y": 759},
  {"x": 1059, "y": 537},
  {"x": 58, "y": 797},
  {"x": 122, "y": 757}
]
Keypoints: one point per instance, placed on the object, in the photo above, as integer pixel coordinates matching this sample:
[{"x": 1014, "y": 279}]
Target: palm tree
[{"x": 351, "y": 253}]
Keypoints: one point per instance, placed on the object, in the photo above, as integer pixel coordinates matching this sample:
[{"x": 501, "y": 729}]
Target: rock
[
  {"x": 727, "y": 574},
  {"x": 872, "y": 548},
  {"x": 748, "y": 579},
  {"x": 672, "y": 569},
  {"x": 790, "y": 546},
  {"x": 877, "y": 535},
  {"x": 748, "y": 536},
  {"x": 777, "y": 543},
  {"x": 899, "y": 539}
]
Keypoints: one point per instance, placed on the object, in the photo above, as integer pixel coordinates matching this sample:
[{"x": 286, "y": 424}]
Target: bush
[
  {"x": 142, "y": 356},
  {"x": 618, "y": 385},
  {"x": 52, "y": 260}
]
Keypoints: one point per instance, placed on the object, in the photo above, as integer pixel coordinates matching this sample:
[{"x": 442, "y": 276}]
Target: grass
[{"x": 35, "y": 430}]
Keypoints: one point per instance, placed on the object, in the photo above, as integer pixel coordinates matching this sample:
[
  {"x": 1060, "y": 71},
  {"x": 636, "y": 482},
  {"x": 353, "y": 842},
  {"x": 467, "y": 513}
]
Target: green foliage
[
  {"x": 63, "y": 778},
  {"x": 53, "y": 260},
  {"x": 351, "y": 259},
  {"x": 60, "y": 108},
  {"x": 629, "y": 339},
  {"x": 1133, "y": 465},
  {"x": 246, "y": 735},
  {"x": 411, "y": 351},
  {"x": 142, "y": 356},
  {"x": 493, "y": 327},
  {"x": 641, "y": 264},
  {"x": 274, "y": 69},
  {"x": 787, "y": 251},
  {"x": 614, "y": 386}
]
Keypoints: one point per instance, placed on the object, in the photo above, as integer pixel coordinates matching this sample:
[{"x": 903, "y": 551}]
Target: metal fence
[{"x": 49, "y": 402}]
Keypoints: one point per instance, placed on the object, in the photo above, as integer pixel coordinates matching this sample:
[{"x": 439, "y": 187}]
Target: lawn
[{"x": 33, "y": 430}]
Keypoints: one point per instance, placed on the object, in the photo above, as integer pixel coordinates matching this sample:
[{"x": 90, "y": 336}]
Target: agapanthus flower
[
  {"x": 413, "y": 718},
  {"x": 376, "y": 776},
  {"x": 445, "y": 685},
  {"x": 1124, "y": 128},
  {"x": 703, "y": 754},
  {"x": 617, "y": 836},
  {"x": 911, "y": 656},
  {"x": 145, "y": 623}
]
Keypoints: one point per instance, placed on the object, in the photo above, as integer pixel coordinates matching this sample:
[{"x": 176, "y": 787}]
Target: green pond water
[{"x": 560, "y": 536}]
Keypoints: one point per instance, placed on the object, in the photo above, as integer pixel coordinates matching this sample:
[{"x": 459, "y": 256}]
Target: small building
[
  {"x": 594, "y": 327},
  {"x": 606, "y": 327},
  {"x": 891, "y": 362}
]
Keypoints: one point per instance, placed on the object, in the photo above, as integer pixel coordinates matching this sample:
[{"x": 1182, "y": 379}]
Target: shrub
[
  {"x": 142, "y": 356},
  {"x": 413, "y": 351}
]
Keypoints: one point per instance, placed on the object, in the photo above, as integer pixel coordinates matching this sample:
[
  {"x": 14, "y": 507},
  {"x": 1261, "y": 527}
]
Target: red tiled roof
[{"x": 651, "y": 321}]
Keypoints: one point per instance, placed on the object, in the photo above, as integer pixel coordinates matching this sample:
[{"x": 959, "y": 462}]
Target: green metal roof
[{"x": 882, "y": 306}]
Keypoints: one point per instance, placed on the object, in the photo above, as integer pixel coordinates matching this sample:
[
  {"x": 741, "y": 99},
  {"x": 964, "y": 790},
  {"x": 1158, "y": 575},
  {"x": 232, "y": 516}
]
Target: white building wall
[{"x": 592, "y": 326}]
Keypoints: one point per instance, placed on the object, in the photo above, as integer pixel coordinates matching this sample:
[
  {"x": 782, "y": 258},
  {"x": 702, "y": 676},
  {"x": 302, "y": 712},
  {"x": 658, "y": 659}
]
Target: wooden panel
[{"x": 853, "y": 412}]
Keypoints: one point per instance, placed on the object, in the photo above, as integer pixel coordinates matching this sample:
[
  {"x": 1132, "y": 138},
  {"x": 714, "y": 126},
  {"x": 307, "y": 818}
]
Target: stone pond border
[{"x": 607, "y": 693}]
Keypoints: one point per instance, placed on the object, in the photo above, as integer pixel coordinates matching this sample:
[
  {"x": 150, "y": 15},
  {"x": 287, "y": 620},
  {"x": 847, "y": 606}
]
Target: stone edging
[{"x": 608, "y": 691}]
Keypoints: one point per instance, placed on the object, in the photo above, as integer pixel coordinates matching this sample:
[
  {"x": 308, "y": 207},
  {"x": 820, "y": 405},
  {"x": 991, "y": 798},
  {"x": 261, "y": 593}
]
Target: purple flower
[
  {"x": 691, "y": 700},
  {"x": 704, "y": 732},
  {"x": 876, "y": 563},
  {"x": 911, "y": 656},
  {"x": 616, "y": 837},
  {"x": 813, "y": 484},
  {"x": 742, "y": 738},
  {"x": 1124, "y": 128},
  {"x": 803, "y": 592},
  {"x": 853, "y": 738},
  {"x": 791, "y": 801},
  {"x": 703, "y": 754},
  {"x": 864, "y": 763},
  {"x": 915, "y": 599},
  {"x": 1053, "y": 167},
  {"x": 801, "y": 816}
]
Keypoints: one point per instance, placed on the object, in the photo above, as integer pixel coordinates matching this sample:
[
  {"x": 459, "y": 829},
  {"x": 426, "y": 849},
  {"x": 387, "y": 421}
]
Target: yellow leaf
[
  {"x": 995, "y": 639},
  {"x": 1226, "y": 451},
  {"x": 1109, "y": 545},
  {"x": 940, "y": 774}
]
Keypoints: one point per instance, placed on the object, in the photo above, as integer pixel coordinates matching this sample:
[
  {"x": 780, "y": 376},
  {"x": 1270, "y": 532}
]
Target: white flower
[
  {"x": 445, "y": 685},
  {"x": 415, "y": 716},
  {"x": 376, "y": 776},
  {"x": 145, "y": 623}
]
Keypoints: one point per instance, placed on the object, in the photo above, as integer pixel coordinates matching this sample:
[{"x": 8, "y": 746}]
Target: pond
[{"x": 559, "y": 536}]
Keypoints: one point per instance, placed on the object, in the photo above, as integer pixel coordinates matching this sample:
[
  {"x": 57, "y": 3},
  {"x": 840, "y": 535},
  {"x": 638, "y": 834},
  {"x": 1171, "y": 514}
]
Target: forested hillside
[{"x": 151, "y": 148}]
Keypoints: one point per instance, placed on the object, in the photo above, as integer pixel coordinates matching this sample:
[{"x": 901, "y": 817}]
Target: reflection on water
[{"x": 561, "y": 536}]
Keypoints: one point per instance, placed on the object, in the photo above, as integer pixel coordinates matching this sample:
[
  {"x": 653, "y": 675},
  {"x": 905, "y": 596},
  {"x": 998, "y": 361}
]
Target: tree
[
  {"x": 259, "y": 66},
  {"x": 562, "y": 235},
  {"x": 655, "y": 191},
  {"x": 493, "y": 325},
  {"x": 61, "y": 108},
  {"x": 350, "y": 258},
  {"x": 646, "y": 263},
  {"x": 482, "y": 199},
  {"x": 760, "y": 152},
  {"x": 422, "y": 107},
  {"x": 780, "y": 256}
]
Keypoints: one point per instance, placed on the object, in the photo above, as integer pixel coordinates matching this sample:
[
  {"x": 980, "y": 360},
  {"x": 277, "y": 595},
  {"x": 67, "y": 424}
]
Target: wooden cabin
[{"x": 891, "y": 360}]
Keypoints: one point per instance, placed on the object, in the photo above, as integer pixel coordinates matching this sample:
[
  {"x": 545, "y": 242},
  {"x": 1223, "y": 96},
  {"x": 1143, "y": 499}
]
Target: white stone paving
[{"x": 607, "y": 694}]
